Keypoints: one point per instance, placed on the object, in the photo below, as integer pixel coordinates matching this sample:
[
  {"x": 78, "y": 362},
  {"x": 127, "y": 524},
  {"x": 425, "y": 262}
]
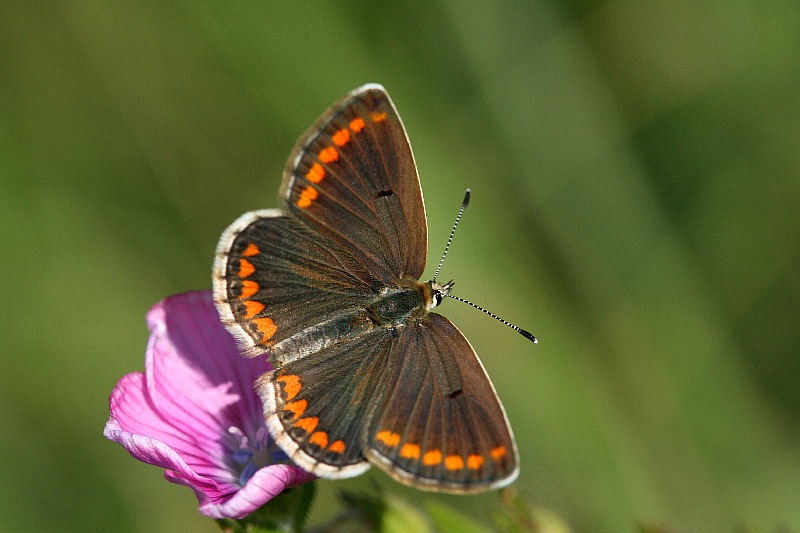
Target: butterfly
[{"x": 327, "y": 287}]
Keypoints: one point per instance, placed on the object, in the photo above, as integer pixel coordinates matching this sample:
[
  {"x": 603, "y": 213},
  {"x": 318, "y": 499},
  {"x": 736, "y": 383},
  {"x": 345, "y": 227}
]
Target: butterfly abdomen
[{"x": 321, "y": 336}]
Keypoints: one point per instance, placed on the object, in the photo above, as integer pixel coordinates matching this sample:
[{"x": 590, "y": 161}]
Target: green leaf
[
  {"x": 400, "y": 517},
  {"x": 376, "y": 512},
  {"x": 446, "y": 519},
  {"x": 365, "y": 508},
  {"x": 520, "y": 516},
  {"x": 303, "y": 501}
]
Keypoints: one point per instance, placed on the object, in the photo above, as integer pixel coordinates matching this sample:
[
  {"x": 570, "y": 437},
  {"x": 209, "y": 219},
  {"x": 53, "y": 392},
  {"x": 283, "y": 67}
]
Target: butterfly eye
[{"x": 437, "y": 299}]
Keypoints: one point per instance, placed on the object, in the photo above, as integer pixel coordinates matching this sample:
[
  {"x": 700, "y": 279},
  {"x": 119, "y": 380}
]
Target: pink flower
[{"x": 194, "y": 412}]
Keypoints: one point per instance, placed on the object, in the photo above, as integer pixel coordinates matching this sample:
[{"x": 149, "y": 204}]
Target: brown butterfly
[{"x": 327, "y": 286}]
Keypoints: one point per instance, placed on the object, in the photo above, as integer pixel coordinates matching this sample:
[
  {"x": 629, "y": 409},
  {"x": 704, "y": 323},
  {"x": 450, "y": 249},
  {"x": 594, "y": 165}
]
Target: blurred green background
[{"x": 635, "y": 169}]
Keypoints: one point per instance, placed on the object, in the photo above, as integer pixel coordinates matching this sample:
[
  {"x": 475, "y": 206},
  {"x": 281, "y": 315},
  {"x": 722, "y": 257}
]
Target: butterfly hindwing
[
  {"x": 352, "y": 177},
  {"x": 451, "y": 434},
  {"x": 317, "y": 407}
]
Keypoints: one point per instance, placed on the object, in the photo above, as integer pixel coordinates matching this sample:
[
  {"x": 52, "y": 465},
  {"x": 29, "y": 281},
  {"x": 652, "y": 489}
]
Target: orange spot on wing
[
  {"x": 309, "y": 423},
  {"x": 454, "y": 462},
  {"x": 337, "y": 446},
  {"x": 251, "y": 250},
  {"x": 297, "y": 407},
  {"x": 291, "y": 385},
  {"x": 316, "y": 173},
  {"x": 432, "y": 457},
  {"x": 320, "y": 438},
  {"x": 266, "y": 326},
  {"x": 410, "y": 451},
  {"x": 357, "y": 124},
  {"x": 378, "y": 116},
  {"x": 252, "y": 308},
  {"x": 329, "y": 154},
  {"x": 308, "y": 195},
  {"x": 474, "y": 462},
  {"x": 498, "y": 453},
  {"x": 341, "y": 137},
  {"x": 246, "y": 268},
  {"x": 249, "y": 288},
  {"x": 388, "y": 438}
]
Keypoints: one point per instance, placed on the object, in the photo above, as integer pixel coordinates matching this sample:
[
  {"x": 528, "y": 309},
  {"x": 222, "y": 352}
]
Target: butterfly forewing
[
  {"x": 268, "y": 288},
  {"x": 352, "y": 178},
  {"x": 441, "y": 426}
]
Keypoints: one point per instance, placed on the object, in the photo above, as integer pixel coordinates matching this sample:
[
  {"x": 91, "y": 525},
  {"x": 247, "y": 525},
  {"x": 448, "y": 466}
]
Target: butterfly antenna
[
  {"x": 464, "y": 205},
  {"x": 525, "y": 333}
]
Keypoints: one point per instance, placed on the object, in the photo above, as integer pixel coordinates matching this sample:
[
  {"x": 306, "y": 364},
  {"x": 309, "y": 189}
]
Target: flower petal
[
  {"x": 135, "y": 425},
  {"x": 185, "y": 413},
  {"x": 265, "y": 484},
  {"x": 196, "y": 375}
]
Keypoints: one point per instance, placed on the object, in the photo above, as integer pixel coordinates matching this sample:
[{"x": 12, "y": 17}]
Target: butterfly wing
[
  {"x": 416, "y": 402},
  {"x": 352, "y": 178},
  {"x": 317, "y": 407},
  {"x": 353, "y": 223},
  {"x": 274, "y": 278},
  {"x": 440, "y": 425}
]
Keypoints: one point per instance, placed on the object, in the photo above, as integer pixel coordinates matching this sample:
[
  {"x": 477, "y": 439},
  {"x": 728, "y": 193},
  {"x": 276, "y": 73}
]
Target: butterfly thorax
[
  {"x": 395, "y": 306},
  {"x": 411, "y": 301}
]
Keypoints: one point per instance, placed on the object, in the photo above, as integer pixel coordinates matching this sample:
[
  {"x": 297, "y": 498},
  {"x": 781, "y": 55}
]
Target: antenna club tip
[
  {"x": 465, "y": 203},
  {"x": 528, "y": 335}
]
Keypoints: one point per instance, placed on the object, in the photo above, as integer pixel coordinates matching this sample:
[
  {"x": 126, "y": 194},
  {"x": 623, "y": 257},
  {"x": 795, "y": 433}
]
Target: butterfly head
[{"x": 438, "y": 292}]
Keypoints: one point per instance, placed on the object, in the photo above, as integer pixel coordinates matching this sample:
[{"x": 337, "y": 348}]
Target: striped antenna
[
  {"x": 464, "y": 205},
  {"x": 446, "y": 292},
  {"x": 525, "y": 333}
]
